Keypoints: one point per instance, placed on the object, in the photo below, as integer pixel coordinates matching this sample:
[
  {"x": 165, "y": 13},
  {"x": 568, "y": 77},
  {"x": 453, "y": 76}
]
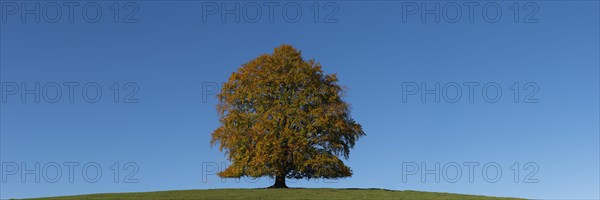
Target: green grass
[{"x": 279, "y": 194}]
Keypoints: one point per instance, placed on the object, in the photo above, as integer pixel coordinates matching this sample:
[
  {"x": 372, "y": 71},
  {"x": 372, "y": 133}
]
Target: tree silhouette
[{"x": 282, "y": 117}]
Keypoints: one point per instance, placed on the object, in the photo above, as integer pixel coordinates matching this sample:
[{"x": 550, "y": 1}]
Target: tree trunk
[{"x": 279, "y": 182}]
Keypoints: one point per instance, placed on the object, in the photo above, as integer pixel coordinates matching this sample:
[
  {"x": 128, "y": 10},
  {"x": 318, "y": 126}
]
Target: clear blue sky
[{"x": 171, "y": 51}]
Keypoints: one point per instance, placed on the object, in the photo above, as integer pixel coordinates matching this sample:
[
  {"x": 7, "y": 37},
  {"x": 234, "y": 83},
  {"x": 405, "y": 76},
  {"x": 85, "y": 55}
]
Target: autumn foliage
[{"x": 282, "y": 117}]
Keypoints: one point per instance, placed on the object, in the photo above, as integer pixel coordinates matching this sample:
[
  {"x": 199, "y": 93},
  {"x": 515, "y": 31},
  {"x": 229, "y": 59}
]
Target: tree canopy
[{"x": 282, "y": 117}]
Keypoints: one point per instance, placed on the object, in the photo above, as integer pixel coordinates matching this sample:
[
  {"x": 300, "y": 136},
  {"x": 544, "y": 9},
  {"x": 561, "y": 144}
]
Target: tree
[{"x": 282, "y": 117}]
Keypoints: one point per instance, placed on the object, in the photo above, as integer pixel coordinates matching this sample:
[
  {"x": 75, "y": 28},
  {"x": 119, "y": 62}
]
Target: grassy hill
[{"x": 279, "y": 194}]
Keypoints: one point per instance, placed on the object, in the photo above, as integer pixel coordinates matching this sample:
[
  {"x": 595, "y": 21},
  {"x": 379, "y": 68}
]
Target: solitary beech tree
[{"x": 282, "y": 117}]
